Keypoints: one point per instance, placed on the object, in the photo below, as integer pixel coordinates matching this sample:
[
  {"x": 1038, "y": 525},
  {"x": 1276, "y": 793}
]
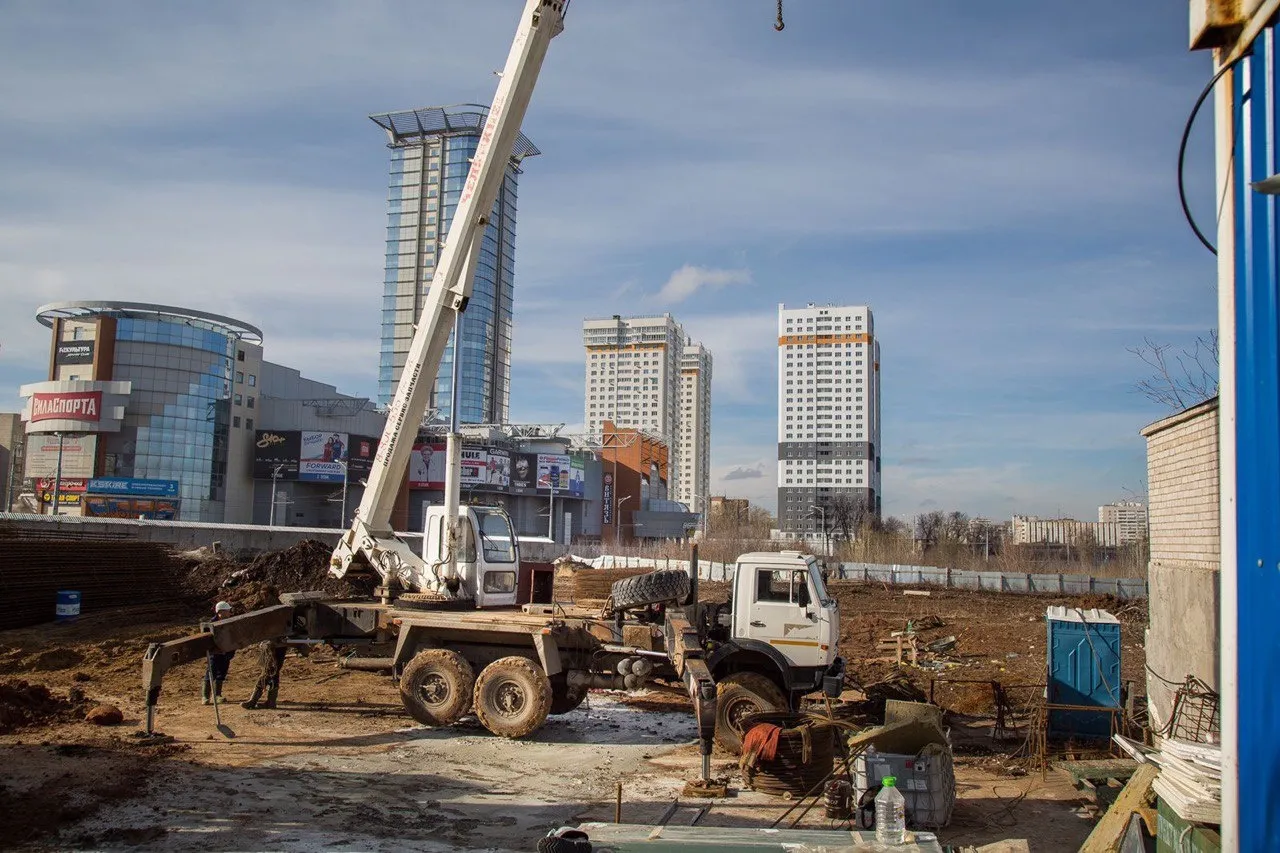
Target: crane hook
[{"x": 780, "y": 25}]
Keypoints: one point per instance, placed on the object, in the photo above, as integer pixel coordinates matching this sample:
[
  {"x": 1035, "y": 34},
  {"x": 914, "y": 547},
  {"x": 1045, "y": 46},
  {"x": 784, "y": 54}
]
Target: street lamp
[
  {"x": 617, "y": 517},
  {"x": 57, "y": 477},
  {"x": 275, "y": 475},
  {"x": 551, "y": 508},
  {"x": 823, "y": 510}
]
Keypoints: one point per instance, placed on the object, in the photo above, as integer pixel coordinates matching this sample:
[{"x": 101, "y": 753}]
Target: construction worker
[
  {"x": 270, "y": 660},
  {"x": 219, "y": 662}
]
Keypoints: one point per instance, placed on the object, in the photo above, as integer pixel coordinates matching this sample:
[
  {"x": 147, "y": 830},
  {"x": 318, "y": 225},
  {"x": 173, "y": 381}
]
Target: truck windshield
[
  {"x": 496, "y": 536},
  {"x": 819, "y": 586}
]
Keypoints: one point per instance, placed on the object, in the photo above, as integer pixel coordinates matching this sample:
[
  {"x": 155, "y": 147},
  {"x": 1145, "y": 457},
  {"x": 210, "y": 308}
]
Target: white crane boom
[{"x": 371, "y": 538}]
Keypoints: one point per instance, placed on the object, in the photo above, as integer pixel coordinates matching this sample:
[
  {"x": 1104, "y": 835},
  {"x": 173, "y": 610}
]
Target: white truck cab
[
  {"x": 780, "y": 599},
  {"x": 488, "y": 559}
]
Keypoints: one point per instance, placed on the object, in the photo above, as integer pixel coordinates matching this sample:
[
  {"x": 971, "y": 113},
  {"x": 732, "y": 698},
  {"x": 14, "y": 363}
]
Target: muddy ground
[{"x": 339, "y": 765}]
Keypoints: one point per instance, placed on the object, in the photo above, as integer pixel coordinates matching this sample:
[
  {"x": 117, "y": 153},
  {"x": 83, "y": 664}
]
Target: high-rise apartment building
[
  {"x": 694, "y": 460},
  {"x": 1129, "y": 516},
  {"x": 431, "y": 149},
  {"x": 828, "y": 413},
  {"x": 635, "y": 378}
]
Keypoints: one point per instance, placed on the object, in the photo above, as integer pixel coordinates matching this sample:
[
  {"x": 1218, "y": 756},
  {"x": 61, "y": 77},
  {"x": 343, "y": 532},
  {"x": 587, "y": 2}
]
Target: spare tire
[{"x": 654, "y": 588}]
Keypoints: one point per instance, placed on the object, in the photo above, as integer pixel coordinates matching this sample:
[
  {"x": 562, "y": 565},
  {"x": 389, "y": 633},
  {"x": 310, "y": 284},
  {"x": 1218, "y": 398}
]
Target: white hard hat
[{"x": 222, "y": 607}]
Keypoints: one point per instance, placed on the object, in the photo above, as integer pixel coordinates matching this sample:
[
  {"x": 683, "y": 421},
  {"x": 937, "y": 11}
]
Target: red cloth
[{"x": 763, "y": 741}]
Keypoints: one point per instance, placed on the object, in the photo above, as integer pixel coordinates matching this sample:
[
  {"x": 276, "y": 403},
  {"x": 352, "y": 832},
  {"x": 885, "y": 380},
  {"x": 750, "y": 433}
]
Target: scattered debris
[{"x": 1190, "y": 779}]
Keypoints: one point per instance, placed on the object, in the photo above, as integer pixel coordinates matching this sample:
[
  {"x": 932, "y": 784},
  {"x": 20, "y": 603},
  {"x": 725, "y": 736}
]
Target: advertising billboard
[
  {"x": 360, "y": 452},
  {"x": 426, "y": 466},
  {"x": 499, "y": 469},
  {"x": 321, "y": 455},
  {"x": 553, "y": 472},
  {"x": 524, "y": 471},
  {"x": 83, "y": 406},
  {"x": 74, "y": 352},
  {"x": 475, "y": 464},
  {"x": 77, "y": 455},
  {"x": 577, "y": 478},
  {"x": 276, "y": 450}
]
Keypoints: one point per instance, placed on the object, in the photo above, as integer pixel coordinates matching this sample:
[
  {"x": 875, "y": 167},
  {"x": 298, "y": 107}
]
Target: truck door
[
  {"x": 497, "y": 570},
  {"x": 779, "y": 610}
]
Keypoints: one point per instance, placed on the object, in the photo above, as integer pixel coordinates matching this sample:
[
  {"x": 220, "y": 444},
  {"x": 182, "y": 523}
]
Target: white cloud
[{"x": 689, "y": 279}]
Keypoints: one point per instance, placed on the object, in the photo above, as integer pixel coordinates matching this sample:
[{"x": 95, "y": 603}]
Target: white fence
[
  {"x": 1027, "y": 582},
  {"x": 1065, "y": 584}
]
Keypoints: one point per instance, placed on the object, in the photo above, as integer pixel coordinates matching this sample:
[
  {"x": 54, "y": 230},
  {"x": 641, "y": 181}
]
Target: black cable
[{"x": 1182, "y": 150}]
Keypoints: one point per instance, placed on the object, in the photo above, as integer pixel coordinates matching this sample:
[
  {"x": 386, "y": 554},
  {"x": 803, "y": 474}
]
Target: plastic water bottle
[{"x": 891, "y": 814}]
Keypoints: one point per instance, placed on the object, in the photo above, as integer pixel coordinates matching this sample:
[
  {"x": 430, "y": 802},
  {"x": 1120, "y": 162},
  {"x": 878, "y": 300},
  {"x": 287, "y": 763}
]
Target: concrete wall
[
  {"x": 1182, "y": 481},
  {"x": 235, "y": 539}
]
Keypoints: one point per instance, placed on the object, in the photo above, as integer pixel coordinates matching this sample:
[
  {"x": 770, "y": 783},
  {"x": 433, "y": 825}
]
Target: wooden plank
[{"x": 1109, "y": 832}]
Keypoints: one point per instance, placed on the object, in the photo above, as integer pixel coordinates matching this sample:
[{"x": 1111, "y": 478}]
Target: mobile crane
[{"x": 774, "y": 642}]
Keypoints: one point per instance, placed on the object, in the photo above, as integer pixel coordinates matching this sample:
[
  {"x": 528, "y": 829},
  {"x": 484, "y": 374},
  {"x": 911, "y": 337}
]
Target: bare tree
[
  {"x": 955, "y": 528},
  {"x": 929, "y": 528},
  {"x": 847, "y": 515},
  {"x": 895, "y": 527},
  {"x": 1182, "y": 379}
]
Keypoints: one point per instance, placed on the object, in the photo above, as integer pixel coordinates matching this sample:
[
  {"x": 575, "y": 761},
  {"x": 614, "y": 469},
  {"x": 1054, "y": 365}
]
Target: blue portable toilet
[{"x": 1084, "y": 669}]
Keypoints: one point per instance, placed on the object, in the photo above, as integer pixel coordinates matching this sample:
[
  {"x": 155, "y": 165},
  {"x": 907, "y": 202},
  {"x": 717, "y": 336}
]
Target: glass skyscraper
[{"x": 431, "y": 150}]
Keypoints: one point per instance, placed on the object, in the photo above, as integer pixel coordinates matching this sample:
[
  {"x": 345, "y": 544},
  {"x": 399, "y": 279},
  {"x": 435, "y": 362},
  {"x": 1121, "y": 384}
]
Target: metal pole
[
  {"x": 57, "y": 478},
  {"x": 275, "y": 475},
  {"x": 551, "y": 514},
  {"x": 342, "y": 520}
]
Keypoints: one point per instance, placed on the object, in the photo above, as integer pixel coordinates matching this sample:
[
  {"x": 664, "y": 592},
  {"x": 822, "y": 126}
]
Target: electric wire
[{"x": 1182, "y": 151}]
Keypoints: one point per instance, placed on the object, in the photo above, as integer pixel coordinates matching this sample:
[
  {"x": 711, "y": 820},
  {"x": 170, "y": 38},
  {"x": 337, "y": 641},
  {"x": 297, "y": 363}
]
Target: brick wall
[
  {"x": 1182, "y": 484},
  {"x": 1182, "y": 577}
]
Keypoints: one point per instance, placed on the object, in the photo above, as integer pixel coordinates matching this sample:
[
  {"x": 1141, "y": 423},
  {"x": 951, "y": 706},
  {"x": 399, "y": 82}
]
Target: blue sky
[{"x": 995, "y": 179}]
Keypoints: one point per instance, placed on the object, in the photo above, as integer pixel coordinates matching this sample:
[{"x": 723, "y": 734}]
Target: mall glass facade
[
  {"x": 430, "y": 156},
  {"x": 178, "y": 418}
]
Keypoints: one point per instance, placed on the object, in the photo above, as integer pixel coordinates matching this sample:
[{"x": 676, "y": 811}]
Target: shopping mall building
[{"x": 160, "y": 412}]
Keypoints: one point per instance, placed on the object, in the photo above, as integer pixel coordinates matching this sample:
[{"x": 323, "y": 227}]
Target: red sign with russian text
[{"x": 66, "y": 406}]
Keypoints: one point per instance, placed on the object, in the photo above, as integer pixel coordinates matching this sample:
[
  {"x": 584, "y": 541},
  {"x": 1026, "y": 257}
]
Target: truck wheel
[
  {"x": 512, "y": 697},
  {"x": 652, "y": 588},
  {"x": 563, "y": 697},
  {"x": 435, "y": 687},
  {"x": 737, "y": 696}
]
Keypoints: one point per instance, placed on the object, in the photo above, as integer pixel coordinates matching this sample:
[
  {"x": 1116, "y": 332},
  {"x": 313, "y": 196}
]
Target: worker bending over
[{"x": 270, "y": 661}]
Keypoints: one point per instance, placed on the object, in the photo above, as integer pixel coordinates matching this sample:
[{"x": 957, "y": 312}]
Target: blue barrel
[{"x": 68, "y": 607}]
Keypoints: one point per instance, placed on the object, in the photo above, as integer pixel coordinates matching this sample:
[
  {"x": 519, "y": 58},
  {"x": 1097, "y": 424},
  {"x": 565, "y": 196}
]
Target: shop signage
[
  {"x": 133, "y": 487},
  {"x": 66, "y": 406},
  {"x": 74, "y": 352},
  {"x": 607, "y": 499}
]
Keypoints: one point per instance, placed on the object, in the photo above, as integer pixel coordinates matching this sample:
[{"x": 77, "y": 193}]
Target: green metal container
[{"x": 1170, "y": 828}]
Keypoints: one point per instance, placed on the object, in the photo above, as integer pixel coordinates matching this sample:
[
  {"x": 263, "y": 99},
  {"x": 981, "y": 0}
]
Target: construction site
[
  {"x": 240, "y": 620},
  {"x": 338, "y": 763}
]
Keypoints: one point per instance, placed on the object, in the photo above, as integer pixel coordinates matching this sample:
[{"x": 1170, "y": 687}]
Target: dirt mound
[
  {"x": 56, "y": 658},
  {"x": 105, "y": 715},
  {"x": 304, "y": 566},
  {"x": 23, "y": 704}
]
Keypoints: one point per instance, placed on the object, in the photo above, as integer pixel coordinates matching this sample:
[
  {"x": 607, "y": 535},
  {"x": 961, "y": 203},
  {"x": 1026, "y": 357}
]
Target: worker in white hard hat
[{"x": 219, "y": 662}]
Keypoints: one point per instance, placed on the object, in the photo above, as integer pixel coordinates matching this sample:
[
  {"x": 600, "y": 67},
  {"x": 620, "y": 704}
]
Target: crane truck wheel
[
  {"x": 563, "y": 697},
  {"x": 435, "y": 687},
  {"x": 512, "y": 697},
  {"x": 652, "y": 588},
  {"x": 737, "y": 696}
]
